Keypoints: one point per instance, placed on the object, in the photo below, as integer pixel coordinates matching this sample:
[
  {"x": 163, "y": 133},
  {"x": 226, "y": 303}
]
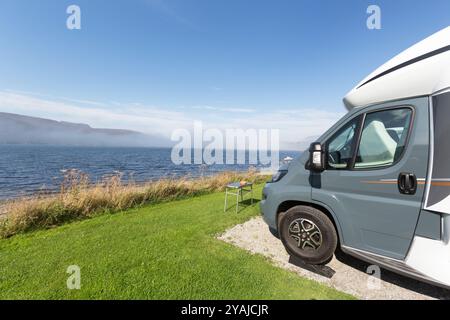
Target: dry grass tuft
[{"x": 79, "y": 199}]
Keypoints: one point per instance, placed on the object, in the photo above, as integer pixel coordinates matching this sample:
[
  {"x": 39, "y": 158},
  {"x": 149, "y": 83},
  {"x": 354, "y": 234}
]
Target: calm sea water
[{"x": 25, "y": 170}]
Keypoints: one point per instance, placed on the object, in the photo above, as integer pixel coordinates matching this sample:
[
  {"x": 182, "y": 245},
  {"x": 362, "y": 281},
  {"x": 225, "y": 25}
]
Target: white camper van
[{"x": 377, "y": 183}]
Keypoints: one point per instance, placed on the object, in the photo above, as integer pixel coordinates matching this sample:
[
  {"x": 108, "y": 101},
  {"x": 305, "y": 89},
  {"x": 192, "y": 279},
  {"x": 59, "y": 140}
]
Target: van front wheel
[{"x": 308, "y": 234}]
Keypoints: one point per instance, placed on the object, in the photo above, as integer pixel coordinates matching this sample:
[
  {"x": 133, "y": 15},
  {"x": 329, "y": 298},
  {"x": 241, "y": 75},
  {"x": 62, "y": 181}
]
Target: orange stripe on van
[
  {"x": 441, "y": 183},
  {"x": 420, "y": 183},
  {"x": 379, "y": 182}
]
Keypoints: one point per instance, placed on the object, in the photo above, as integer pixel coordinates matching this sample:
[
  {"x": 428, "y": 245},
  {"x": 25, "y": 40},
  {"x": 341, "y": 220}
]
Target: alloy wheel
[{"x": 306, "y": 233}]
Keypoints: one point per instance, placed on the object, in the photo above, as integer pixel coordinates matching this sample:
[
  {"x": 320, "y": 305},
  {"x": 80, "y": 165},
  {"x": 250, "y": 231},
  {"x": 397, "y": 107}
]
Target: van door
[{"x": 375, "y": 176}]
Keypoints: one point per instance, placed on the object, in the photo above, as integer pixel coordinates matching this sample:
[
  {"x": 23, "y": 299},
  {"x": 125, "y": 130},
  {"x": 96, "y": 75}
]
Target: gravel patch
[{"x": 343, "y": 273}]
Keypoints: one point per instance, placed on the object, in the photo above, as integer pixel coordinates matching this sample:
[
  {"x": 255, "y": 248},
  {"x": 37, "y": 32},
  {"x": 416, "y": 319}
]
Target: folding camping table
[{"x": 237, "y": 189}]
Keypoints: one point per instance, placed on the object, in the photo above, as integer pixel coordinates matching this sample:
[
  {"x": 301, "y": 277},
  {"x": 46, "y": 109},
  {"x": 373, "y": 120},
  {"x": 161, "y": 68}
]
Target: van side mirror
[{"x": 316, "y": 157}]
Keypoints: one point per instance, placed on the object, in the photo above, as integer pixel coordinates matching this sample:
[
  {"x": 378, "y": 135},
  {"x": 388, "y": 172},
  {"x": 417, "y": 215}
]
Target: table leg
[
  {"x": 226, "y": 197},
  {"x": 237, "y": 201}
]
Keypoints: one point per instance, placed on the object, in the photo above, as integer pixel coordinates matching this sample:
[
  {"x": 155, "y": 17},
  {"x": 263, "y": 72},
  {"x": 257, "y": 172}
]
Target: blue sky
[{"x": 157, "y": 65}]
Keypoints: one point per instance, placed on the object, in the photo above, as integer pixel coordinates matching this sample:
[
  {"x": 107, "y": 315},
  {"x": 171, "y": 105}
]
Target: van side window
[
  {"x": 340, "y": 146},
  {"x": 383, "y": 138}
]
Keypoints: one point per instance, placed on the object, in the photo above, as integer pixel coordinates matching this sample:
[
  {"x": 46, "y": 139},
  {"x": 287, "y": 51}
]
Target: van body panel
[
  {"x": 429, "y": 225},
  {"x": 438, "y": 197},
  {"x": 432, "y": 257},
  {"x": 293, "y": 187},
  {"x": 373, "y": 214}
]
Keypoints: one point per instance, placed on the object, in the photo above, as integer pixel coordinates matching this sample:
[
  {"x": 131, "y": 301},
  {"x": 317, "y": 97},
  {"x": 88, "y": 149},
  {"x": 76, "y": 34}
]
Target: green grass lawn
[{"x": 164, "y": 251}]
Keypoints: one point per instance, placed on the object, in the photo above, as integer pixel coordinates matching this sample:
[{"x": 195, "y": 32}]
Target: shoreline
[
  {"x": 53, "y": 192},
  {"x": 78, "y": 199}
]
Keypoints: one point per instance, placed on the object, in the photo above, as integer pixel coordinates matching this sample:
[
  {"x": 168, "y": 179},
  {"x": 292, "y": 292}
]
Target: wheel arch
[{"x": 286, "y": 205}]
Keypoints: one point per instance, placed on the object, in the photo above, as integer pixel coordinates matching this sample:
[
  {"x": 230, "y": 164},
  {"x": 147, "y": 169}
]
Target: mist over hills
[{"x": 19, "y": 129}]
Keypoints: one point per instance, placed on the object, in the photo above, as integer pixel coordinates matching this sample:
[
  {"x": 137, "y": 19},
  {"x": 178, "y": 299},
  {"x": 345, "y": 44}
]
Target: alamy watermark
[
  {"x": 374, "y": 20},
  {"x": 74, "y": 280},
  {"x": 230, "y": 146},
  {"x": 374, "y": 279},
  {"x": 73, "y": 21}
]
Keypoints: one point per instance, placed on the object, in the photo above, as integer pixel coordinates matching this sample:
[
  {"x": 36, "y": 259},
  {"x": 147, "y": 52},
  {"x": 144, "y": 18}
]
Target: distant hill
[{"x": 19, "y": 129}]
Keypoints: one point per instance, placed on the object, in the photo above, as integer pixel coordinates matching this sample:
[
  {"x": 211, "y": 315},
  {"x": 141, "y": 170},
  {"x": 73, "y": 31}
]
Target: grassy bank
[
  {"x": 79, "y": 198},
  {"x": 162, "y": 251}
]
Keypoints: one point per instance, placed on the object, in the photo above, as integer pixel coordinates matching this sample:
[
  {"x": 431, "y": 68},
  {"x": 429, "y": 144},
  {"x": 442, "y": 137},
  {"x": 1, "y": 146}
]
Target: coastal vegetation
[{"x": 79, "y": 198}]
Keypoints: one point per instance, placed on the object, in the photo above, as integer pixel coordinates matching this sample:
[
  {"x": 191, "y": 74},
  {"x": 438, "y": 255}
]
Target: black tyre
[{"x": 308, "y": 234}]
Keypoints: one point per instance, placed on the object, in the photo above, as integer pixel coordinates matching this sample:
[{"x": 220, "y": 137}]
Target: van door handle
[{"x": 407, "y": 183}]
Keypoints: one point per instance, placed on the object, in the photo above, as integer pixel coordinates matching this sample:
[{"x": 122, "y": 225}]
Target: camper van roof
[{"x": 423, "y": 69}]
